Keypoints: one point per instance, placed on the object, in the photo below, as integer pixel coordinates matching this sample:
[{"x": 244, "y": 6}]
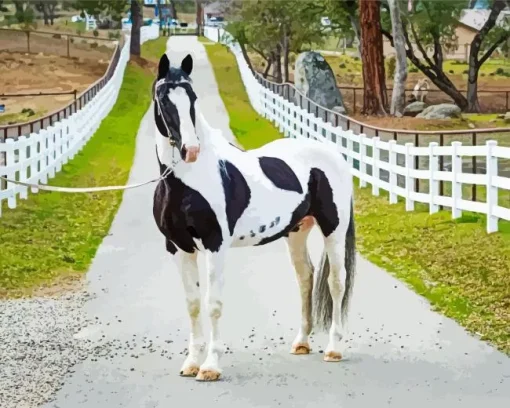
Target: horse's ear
[
  {"x": 187, "y": 64},
  {"x": 164, "y": 66}
]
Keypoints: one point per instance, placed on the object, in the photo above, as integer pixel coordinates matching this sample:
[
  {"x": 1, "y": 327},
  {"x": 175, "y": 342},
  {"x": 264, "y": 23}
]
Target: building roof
[
  {"x": 476, "y": 18},
  {"x": 214, "y": 8}
]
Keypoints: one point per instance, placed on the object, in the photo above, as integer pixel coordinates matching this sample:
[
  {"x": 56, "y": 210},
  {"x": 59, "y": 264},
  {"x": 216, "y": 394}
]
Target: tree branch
[{"x": 501, "y": 40}]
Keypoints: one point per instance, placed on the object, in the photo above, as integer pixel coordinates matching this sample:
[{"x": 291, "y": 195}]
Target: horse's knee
[
  {"x": 215, "y": 308},
  {"x": 194, "y": 308}
]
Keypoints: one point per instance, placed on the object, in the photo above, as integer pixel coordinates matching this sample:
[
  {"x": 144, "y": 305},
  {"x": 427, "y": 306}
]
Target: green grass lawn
[
  {"x": 53, "y": 237},
  {"x": 463, "y": 271}
]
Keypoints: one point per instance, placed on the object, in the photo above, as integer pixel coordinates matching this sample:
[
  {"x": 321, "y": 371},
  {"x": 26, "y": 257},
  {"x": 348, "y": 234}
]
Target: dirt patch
[
  {"x": 34, "y": 73},
  {"x": 408, "y": 123}
]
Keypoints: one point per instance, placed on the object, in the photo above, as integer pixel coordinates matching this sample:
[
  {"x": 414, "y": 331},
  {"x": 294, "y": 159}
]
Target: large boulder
[
  {"x": 441, "y": 111},
  {"x": 314, "y": 78},
  {"x": 506, "y": 118},
  {"x": 414, "y": 108}
]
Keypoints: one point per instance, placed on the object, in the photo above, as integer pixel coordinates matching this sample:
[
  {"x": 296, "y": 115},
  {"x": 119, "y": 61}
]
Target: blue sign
[{"x": 2, "y": 108}]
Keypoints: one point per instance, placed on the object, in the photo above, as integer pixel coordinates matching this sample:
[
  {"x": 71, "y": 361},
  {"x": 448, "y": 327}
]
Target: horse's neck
[{"x": 212, "y": 143}]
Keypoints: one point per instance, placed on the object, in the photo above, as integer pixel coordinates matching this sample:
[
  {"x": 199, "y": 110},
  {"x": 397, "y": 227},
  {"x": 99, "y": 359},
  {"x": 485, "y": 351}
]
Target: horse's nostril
[{"x": 183, "y": 152}]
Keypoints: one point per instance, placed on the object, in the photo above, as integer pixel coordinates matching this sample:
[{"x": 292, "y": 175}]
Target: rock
[
  {"x": 502, "y": 116},
  {"x": 339, "y": 109},
  {"x": 314, "y": 78},
  {"x": 471, "y": 125},
  {"x": 506, "y": 118},
  {"x": 441, "y": 111},
  {"x": 414, "y": 108}
]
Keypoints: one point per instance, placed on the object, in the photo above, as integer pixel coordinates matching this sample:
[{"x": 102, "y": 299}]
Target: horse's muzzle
[{"x": 190, "y": 154}]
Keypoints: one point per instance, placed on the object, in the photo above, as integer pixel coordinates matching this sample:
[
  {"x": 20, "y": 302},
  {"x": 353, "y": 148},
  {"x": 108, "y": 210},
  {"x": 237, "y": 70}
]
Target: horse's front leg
[
  {"x": 188, "y": 268},
  {"x": 210, "y": 369}
]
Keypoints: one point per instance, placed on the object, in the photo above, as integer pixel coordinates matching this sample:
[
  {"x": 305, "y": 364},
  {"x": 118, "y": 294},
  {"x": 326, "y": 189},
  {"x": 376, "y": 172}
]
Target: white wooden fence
[
  {"x": 38, "y": 157},
  {"x": 293, "y": 121}
]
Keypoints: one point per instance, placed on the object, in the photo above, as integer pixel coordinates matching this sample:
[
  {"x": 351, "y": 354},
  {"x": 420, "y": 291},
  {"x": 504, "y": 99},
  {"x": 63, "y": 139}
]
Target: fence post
[
  {"x": 68, "y": 46},
  {"x": 410, "y": 186},
  {"x": 492, "y": 190},
  {"x": 22, "y": 160},
  {"x": 456, "y": 186},
  {"x": 433, "y": 183},
  {"x": 350, "y": 147},
  {"x": 375, "y": 166},
  {"x": 28, "y": 41},
  {"x": 362, "y": 164},
  {"x": 10, "y": 161},
  {"x": 393, "y": 176}
]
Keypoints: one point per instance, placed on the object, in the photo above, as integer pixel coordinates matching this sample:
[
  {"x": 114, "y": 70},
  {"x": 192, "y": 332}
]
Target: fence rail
[
  {"x": 40, "y": 155},
  {"x": 387, "y": 164}
]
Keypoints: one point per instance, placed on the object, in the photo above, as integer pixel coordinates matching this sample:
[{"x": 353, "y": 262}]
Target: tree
[
  {"x": 24, "y": 14},
  {"x": 136, "y": 25},
  {"x": 431, "y": 25},
  {"x": 375, "y": 98},
  {"x": 499, "y": 36},
  {"x": 47, "y": 8},
  {"x": 398, "y": 97},
  {"x": 288, "y": 26},
  {"x": 113, "y": 8}
]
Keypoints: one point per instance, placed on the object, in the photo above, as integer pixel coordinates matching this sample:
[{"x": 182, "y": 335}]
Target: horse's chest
[{"x": 186, "y": 218}]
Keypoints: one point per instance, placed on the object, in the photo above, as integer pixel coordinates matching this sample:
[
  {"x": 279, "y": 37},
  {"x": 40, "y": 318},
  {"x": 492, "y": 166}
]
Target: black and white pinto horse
[{"x": 216, "y": 196}]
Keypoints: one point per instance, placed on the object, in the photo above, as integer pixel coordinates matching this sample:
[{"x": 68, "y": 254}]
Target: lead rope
[{"x": 45, "y": 187}]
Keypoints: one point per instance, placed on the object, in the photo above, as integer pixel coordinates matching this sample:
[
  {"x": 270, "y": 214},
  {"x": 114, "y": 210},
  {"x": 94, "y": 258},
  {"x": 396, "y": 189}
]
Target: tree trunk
[
  {"x": 473, "y": 105},
  {"x": 198, "y": 16},
  {"x": 277, "y": 64},
  {"x": 357, "y": 30},
  {"x": 375, "y": 98},
  {"x": 242, "y": 45},
  {"x": 286, "y": 52},
  {"x": 268, "y": 67},
  {"x": 137, "y": 20},
  {"x": 173, "y": 10},
  {"x": 398, "y": 97}
]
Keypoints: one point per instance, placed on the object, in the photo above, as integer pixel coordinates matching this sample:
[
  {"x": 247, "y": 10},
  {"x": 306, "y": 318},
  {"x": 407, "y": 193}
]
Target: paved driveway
[{"x": 400, "y": 353}]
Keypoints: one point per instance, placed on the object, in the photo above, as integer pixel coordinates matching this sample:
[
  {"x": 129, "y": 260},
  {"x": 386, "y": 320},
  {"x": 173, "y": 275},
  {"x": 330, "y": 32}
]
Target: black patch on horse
[
  {"x": 183, "y": 214},
  {"x": 323, "y": 208},
  {"x": 237, "y": 192},
  {"x": 318, "y": 202},
  {"x": 280, "y": 174}
]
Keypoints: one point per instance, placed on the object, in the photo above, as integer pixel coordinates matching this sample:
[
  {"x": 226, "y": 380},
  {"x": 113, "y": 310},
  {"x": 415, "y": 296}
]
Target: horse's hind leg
[
  {"x": 300, "y": 259},
  {"x": 335, "y": 249},
  {"x": 188, "y": 269}
]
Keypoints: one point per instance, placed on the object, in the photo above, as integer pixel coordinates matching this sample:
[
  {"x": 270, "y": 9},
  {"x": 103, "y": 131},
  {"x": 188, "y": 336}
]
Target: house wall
[{"x": 464, "y": 34}]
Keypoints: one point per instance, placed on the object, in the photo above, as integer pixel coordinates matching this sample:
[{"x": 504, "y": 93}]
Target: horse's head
[{"x": 174, "y": 107}]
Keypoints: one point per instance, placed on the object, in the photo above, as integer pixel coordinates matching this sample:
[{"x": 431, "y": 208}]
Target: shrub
[
  {"x": 451, "y": 71},
  {"x": 58, "y": 36},
  {"x": 465, "y": 72},
  {"x": 391, "y": 66},
  {"x": 94, "y": 45},
  {"x": 95, "y": 33},
  {"x": 79, "y": 32},
  {"x": 342, "y": 65},
  {"x": 28, "y": 111},
  {"x": 413, "y": 69}
]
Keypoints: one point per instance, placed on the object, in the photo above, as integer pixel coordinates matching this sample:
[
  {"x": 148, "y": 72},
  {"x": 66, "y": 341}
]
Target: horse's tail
[
  {"x": 323, "y": 302},
  {"x": 350, "y": 264}
]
